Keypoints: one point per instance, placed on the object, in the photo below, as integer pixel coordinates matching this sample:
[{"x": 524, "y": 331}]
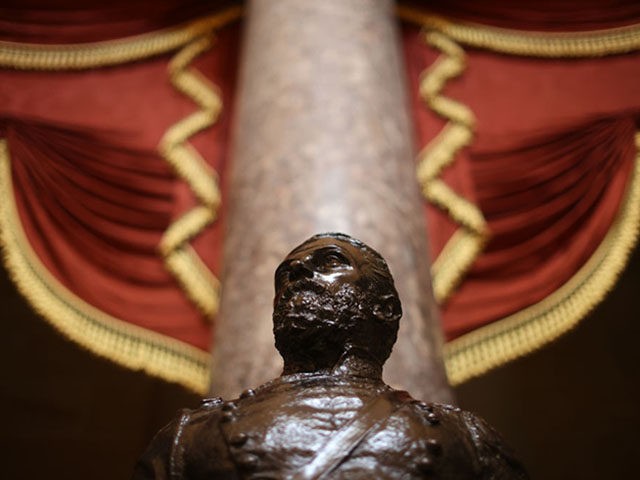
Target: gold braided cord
[
  {"x": 190, "y": 271},
  {"x": 197, "y": 281},
  {"x": 459, "y": 209},
  {"x": 523, "y": 332},
  {"x": 185, "y": 228},
  {"x": 454, "y": 260},
  {"x": 25, "y": 56},
  {"x": 594, "y": 43},
  {"x": 125, "y": 344},
  {"x": 468, "y": 241}
]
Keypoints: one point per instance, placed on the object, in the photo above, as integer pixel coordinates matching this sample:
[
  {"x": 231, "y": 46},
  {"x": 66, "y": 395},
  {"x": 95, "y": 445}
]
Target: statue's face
[
  {"x": 319, "y": 299},
  {"x": 325, "y": 263}
]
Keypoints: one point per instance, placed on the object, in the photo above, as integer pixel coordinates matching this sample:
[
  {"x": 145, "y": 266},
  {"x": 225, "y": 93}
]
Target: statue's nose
[{"x": 298, "y": 270}]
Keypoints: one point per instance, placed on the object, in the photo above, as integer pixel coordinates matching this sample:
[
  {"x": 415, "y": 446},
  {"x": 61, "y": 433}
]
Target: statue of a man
[{"x": 329, "y": 415}]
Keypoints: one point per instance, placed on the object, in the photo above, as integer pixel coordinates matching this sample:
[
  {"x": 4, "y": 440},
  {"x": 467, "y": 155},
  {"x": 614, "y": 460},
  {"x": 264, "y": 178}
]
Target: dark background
[{"x": 569, "y": 410}]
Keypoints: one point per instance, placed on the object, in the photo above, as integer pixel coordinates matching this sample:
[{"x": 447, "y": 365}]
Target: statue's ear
[{"x": 387, "y": 308}]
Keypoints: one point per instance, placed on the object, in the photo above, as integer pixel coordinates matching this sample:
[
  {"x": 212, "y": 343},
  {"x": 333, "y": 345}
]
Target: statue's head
[{"x": 335, "y": 297}]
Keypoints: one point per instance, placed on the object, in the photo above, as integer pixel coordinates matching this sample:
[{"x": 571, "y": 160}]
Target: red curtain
[
  {"x": 73, "y": 21},
  {"x": 93, "y": 192},
  {"x": 548, "y": 164},
  {"x": 544, "y": 15}
]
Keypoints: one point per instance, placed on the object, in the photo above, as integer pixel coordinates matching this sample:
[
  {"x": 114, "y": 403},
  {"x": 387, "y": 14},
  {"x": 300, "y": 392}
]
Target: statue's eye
[{"x": 334, "y": 260}]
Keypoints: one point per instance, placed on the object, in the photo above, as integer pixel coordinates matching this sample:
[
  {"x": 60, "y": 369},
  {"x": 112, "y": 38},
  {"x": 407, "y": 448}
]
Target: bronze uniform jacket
[{"x": 277, "y": 432}]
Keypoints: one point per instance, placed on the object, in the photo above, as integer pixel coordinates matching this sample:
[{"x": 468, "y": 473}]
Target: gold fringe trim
[
  {"x": 468, "y": 241},
  {"x": 199, "y": 284},
  {"x": 596, "y": 43},
  {"x": 106, "y": 336},
  {"x": 512, "y": 337},
  {"x": 26, "y": 56}
]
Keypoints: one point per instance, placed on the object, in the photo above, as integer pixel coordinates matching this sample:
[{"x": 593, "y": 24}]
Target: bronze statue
[{"x": 329, "y": 415}]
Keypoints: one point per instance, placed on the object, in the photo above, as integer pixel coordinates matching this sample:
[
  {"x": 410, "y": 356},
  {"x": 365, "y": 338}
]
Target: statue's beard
[{"x": 313, "y": 325}]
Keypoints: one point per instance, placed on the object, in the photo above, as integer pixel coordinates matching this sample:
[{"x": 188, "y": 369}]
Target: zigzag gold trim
[
  {"x": 512, "y": 337},
  {"x": 185, "y": 228},
  {"x": 26, "y": 56},
  {"x": 595, "y": 43},
  {"x": 181, "y": 260},
  {"x": 458, "y": 254},
  {"x": 106, "y": 336},
  {"x": 467, "y": 243}
]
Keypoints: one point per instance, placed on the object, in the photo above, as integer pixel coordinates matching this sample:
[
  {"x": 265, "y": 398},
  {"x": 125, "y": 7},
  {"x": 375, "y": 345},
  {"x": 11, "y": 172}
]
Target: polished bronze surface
[
  {"x": 329, "y": 415},
  {"x": 322, "y": 143}
]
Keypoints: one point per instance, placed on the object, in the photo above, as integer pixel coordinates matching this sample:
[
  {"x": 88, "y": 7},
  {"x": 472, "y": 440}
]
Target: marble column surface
[{"x": 322, "y": 143}]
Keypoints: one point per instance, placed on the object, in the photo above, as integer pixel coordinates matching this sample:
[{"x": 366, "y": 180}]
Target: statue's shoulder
[
  {"x": 190, "y": 422},
  {"x": 453, "y": 432},
  {"x": 494, "y": 454},
  {"x": 189, "y": 433}
]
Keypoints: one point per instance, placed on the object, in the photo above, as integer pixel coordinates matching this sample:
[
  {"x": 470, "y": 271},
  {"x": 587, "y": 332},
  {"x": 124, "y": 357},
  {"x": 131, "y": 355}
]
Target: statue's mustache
[{"x": 301, "y": 286}]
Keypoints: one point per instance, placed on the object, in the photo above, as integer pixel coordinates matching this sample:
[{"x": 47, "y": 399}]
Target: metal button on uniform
[
  {"x": 425, "y": 464},
  {"x": 247, "y": 393},
  {"x": 433, "y": 446},
  {"x": 433, "y": 419},
  {"x": 238, "y": 439},
  {"x": 228, "y": 406},
  {"x": 227, "y": 417},
  {"x": 248, "y": 460}
]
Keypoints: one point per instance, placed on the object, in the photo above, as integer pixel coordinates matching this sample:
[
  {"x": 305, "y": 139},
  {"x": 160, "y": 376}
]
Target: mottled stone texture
[{"x": 322, "y": 143}]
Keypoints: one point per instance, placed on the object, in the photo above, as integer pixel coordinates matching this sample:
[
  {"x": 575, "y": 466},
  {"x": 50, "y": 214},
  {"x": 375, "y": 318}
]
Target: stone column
[{"x": 322, "y": 143}]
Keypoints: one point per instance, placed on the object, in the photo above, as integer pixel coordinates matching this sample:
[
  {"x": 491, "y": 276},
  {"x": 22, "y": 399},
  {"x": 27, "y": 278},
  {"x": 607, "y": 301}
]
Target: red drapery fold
[
  {"x": 95, "y": 213},
  {"x": 544, "y": 15},
  {"x": 548, "y": 203},
  {"x": 72, "y": 21},
  {"x": 96, "y": 190},
  {"x": 548, "y": 162}
]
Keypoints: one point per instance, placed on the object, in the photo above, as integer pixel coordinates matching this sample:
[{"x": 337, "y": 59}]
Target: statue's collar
[{"x": 326, "y": 379}]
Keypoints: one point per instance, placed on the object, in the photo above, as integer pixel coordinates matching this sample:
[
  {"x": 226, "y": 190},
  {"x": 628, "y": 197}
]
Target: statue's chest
[
  {"x": 278, "y": 435},
  {"x": 281, "y": 433}
]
